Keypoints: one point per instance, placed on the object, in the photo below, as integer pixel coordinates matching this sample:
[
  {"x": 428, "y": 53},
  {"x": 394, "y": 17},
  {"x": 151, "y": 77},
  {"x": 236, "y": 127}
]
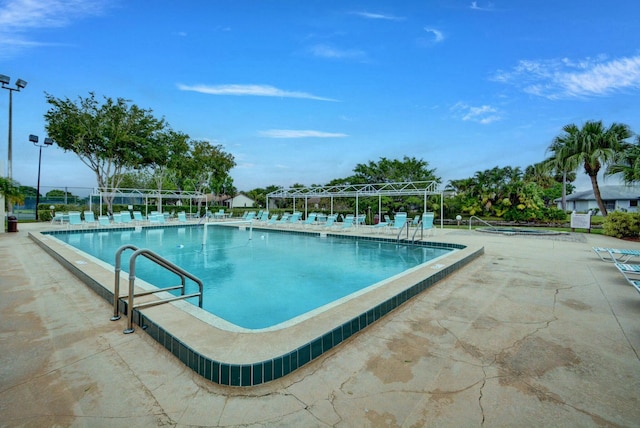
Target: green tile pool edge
[{"x": 257, "y": 373}]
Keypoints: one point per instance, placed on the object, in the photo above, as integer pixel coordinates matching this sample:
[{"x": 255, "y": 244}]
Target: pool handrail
[
  {"x": 159, "y": 261},
  {"x": 481, "y": 220}
]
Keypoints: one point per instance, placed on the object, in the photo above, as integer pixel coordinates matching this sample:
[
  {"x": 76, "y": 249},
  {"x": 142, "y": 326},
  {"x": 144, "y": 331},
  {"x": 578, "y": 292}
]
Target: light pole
[
  {"x": 20, "y": 84},
  {"x": 47, "y": 142}
]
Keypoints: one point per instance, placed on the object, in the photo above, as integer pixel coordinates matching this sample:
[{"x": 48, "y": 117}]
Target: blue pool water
[{"x": 260, "y": 282}]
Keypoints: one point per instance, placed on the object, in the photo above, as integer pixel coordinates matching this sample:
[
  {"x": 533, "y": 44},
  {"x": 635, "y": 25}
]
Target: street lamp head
[
  {"x": 4, "y": 79},
  {"x": 21, "y": 83},
  {"x": 33, "y": 138},
  {"x": 48, "y": 141}
]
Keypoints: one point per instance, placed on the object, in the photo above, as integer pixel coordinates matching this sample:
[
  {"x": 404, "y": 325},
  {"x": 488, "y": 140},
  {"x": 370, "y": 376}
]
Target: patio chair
[
  {"x": 347, "y": 222},
  {"x": 90, "y": 218},
  {"x": 103, "y": 220},
  {"x": 264, "y": 217},
  {"x": 273, "y": 219},
  {"x": 75, "y": 219},
  {"x": 310, "y": 220},
  {"x": 398, "y": 221},
  {"x": 182, "y": 217},
  {"x": 125, "y": 216},
  {"x": 331, "y": 220},
  {"x": 427, "y": 222},
  {"x": 631, "y": 273},
  {"x": 616, "y": 255},
  {"x": 57, "y": 217},
  {"x": 137, "y": 217}
]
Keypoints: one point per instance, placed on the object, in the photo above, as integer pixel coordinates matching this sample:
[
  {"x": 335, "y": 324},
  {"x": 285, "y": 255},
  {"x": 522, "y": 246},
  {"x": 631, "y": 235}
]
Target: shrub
[{"x": 622, "y": 225}]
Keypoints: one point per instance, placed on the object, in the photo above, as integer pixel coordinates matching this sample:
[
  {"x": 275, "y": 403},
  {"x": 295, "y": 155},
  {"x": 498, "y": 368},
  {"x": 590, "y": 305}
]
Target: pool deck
[{"x": 538, "y": 331}]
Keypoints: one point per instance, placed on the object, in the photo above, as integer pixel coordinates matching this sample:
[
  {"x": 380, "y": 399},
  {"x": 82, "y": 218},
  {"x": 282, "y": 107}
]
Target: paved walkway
[{"x": 536, "y": 332}]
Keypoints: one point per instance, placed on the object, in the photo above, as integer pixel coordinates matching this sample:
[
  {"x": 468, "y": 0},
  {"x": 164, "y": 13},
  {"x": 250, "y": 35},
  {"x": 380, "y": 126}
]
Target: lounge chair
[
  {"x": 361, "y": 219},
  {"x": 347, "y": 222},
  {"x": 631, "y": 273},
  {"x": 90, "y": 218},
  {"x": 295, "y": 218},
  {"x": 331, "y": 220},
  {"x": 264, "y": 217},
  {"x": 273, "y": 219},
  {"x": 284, "y": 219},
  {"x": 399, "y": 221},
  {"x": 310, "y": 220},
  {"x": 219, "y": 215},
  {"x": 104, "y": 221},
  {"x": 75, "y": 219},
  {"x": 182, "y": 217},
  {"x": 427, "y": 222},
  {"x": 57, "y": 217},
  {"x": 137, "y": 217},
  {"x": 250, "y": 216},
  {"x": 615, "y": 254},
  {"x": 125, "y": 216}
]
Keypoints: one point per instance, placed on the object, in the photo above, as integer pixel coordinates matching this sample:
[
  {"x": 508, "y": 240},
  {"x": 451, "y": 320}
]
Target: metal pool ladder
[{"x": 132, "y": 279}]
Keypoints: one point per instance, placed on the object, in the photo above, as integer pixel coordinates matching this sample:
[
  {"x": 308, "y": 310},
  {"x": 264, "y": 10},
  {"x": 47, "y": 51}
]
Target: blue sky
[{"x": 303, "y": 91}]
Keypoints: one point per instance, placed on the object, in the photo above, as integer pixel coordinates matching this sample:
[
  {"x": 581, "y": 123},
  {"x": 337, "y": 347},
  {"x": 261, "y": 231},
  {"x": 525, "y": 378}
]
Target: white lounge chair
[
  {"x": 616, "y": 254},
  {"x": 631, "y": 273},
  {"x": 90, "y": 218},
  {"x": 75, "y": 219}
]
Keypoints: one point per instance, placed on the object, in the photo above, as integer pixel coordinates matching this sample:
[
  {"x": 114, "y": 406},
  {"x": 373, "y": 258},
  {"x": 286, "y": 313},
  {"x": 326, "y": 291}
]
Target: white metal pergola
[
  {"x": 405, "y": 188},
  {"x": 147, "y": 194}
]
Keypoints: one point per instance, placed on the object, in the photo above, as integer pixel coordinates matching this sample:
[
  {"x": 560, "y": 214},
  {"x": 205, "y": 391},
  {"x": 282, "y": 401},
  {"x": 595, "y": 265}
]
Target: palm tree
[
  {"x": 10, "y": 190},
  {"x": 627, "y": 163},
  {"x": 592, "y": 146},
  {"x": 561, "y": 162}
]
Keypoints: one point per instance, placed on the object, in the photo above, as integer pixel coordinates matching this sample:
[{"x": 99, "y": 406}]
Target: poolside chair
[
  {"x": 347, "y": 222},
  {"x": 284, "y": 219},
  {"x": 616, "y": 254},
  {"x": 295, "y": 218},
  {"x": 310, "y": 220},
  {"x": 219, "y": 215},
  {"x": 361, "y": 220},
  {"x": 137, "y": 217},
  {"x": 125, "y": 216},
  {"x": 415, "y": 221},
  {"x": 154, "y": 217},
  {"x": 264, "y": 217},
  {"x": 90, "y": 218},
  {"x": 427, "y": 222},
  {"x": 182, "y": 217},
  {"x": 631, "y": 273},
  {"x": 103, "y": 220},
  {"x": 273, "y": 219},
  {"x": 75, "y": 219},
  {"x": 57, "y": 217},
  {"x": 398, "y": 221},
  {"x": 331, "y": 220}
]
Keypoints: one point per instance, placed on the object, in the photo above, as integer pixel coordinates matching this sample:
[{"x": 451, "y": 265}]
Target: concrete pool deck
[{"x": 536, "y": 332}]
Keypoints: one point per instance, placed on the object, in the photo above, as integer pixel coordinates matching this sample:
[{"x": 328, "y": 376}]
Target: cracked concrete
[{"x": 536, "y": 332}]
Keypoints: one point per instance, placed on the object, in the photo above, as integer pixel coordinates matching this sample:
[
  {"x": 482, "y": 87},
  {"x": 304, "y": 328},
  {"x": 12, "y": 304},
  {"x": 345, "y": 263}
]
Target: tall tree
[
  {"x": 593, "y": 146},
  {"x": 108, "y": 137},
  {"x": 207, "y": 167}
]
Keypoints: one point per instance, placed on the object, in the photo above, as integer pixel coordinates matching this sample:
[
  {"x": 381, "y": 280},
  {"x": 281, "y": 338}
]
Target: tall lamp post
[
  {"x": 47, "y": 142},
  {"x": 20, "y": 84}
]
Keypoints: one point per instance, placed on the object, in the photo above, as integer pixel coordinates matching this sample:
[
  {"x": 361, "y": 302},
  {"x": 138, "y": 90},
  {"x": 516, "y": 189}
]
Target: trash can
[
  {"x": 12, "y": 223},
  {"x": 376, "y": 219}
]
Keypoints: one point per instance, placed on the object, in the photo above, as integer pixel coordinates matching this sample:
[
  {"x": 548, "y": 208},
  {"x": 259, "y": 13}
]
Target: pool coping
[{"x": 248, "y": 358}]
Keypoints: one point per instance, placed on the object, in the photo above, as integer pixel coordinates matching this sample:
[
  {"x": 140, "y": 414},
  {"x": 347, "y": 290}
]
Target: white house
[
  {"x": 240, "y": 201},
  {"x": 620, "y": 198}
]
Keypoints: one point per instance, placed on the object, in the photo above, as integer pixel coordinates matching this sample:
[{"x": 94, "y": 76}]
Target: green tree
[
  {"x": 592, "y": 146},
  {"x": 207, "y": 167},
  {"x": 627, "y": 163},
  {"x": 109, "y": 138},
  {"x": 10, "y": 190}
]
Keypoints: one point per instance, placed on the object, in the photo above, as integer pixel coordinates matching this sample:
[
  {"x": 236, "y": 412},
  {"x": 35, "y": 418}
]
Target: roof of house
[{"x": 610, "y": 193}]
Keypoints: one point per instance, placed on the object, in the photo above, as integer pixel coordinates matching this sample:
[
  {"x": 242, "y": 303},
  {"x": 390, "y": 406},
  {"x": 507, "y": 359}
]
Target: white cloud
[
  {"x": 484, "y": 114},
  {"x": 292, "y": 133},
  {"x": 325, "y": 51},
  {"x": 249, "y": 90},
  {"x": 437, "y": 34},
  {"x": 565, "y": 78},
  {"x": 18, "y": 17},
  {"x": 474, "y": 6},
  {"x": 370, "y": 15}
]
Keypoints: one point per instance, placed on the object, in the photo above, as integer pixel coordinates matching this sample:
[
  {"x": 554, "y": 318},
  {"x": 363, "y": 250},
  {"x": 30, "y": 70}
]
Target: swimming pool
[
  {"x": 262, "y": 279},
  {"x": 244, "y": 357}
]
